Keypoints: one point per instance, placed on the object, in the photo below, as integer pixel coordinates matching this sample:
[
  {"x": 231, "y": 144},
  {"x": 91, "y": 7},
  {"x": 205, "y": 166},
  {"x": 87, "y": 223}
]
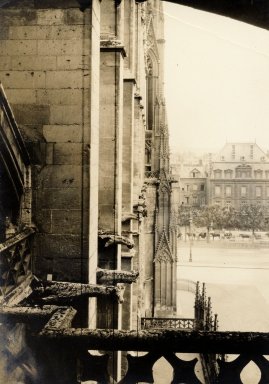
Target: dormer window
[{"x": 195, "y": 173}]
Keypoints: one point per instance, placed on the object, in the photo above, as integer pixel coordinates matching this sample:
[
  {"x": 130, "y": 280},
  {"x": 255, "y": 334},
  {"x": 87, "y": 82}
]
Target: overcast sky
[{"x": 217, "y": 80}]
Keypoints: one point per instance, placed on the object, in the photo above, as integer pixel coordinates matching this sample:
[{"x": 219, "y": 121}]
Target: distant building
[
  {"x": 238, "y": 175},
  {"x": 191, "y": 189}
]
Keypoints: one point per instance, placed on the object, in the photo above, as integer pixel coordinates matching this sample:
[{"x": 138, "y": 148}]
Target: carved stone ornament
[
  {"x": 111, "y": 43},
  {"x": 164, "y": 256}
]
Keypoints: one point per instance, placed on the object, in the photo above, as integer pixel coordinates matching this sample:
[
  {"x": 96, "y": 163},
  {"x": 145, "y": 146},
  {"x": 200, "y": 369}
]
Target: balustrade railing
[
  {"x": 167, "y": 323},
  {"x": 15, "y": 262},
  {"x": 70, "y": 348},
  {"x": 152, "y": 174}
]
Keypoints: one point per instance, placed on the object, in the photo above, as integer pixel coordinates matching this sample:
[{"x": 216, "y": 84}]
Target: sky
[{"x": 216, "y": 80}]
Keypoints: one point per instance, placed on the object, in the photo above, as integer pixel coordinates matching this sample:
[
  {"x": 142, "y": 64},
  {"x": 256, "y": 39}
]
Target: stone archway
[{"x": 255, "y": 12}]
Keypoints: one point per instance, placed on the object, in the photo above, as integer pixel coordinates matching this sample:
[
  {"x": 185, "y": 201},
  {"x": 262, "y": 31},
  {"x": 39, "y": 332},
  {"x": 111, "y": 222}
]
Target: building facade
[{"x": 239, "y": 175}]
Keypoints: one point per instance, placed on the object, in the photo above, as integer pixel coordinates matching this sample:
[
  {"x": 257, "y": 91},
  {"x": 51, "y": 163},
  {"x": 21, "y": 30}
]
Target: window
[
  {"x": 217, "y": 174},
  {"x": 243, "y": 172},
  {"x": 258, "y": 191},
  {"x": 267, "y": 191},
  {"x": 258, "y": 174},
  {"x": 228, "y": 190},
  {"x": 243, "y": 191},
  {"x": 202, "y": 187},
  {"x": 228, "y": 174},
  {"x": 195, "y": 187},
  {"x": 193, "y": 174},
  {"x": 217, "y": 190}
]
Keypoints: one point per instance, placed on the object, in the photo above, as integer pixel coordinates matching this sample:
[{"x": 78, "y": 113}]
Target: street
[{"x": 236, "y": 280}]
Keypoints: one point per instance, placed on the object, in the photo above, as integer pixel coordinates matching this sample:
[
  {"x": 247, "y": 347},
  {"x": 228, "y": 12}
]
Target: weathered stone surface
[
  {"x": 18, "y": 47},
  {"x": 27, "y": 80},
  {"x": 62, "y": 269},
  {"x": 58, "y": 4},
  {"x": 63, "y": 133},
  {"x": 66, "y": 221},
  {"x": 31, "y": 114},
  {"x": 5, "y": 63},
  {"x": 42, "y": 219},
  {"x": 33, "y": 63},
  {"x": 67, "y": 62},
  {"x": 62, "y": 114},
  {"x": 76, "y": 17},
  {"x": 63, "y": 80},
  {"x": 60, "y": 97},
  {"x": 26, "y": 314},
  {"x": 60, "y": 47},
  {"x": 117, "y": 276},
  {"x": 59, "y": 246},
  {"x": 68, "y": 153},
  {"x": 67, "y": 292},
  {"x": 60, "y": 198},
  {"x": 60, "y": 176},
  {"x": 18, "y": 17},
  {"x": 4, "y": 32},
  {"x": 163, "y": 341},
  {"x": 62, "y": 318},
  {"x": 16, "y": 96},
  {"x": 50, "y": 16}
]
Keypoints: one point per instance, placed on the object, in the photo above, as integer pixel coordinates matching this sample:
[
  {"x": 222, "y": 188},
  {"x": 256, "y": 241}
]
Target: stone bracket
[{"x": 107, "y": 276}]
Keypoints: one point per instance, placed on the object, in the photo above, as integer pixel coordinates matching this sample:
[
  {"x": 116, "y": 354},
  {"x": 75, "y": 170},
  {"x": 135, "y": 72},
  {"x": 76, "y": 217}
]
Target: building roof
[
  {"x": 187, "y": 171},
  {"x": 238, "y": 152}
]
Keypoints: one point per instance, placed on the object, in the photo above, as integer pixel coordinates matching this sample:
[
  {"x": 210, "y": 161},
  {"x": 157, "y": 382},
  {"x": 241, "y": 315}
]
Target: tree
[
  {"x": 251, "y": 217},
  {"x": 230, "y": 218},
  {"x": 185, "y": 213},
  {"x": 208, "y": 217}
]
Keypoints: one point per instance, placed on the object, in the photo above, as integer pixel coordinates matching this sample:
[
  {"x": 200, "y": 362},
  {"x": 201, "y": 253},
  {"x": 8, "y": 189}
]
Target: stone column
[{"x": 111, "y": 146}]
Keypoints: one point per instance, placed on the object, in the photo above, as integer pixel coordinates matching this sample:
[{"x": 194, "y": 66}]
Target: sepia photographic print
[{"x": 134, "y": 191}]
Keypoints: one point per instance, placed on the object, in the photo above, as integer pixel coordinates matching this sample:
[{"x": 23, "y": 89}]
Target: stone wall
[{"x": 49, "y": 67}]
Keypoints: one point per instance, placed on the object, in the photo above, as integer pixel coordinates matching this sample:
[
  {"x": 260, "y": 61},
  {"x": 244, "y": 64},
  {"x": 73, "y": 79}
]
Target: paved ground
[{"x": 237, "y": 281}]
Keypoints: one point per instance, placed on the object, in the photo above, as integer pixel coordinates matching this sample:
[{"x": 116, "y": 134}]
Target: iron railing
[{"x": 167, "y": 323}]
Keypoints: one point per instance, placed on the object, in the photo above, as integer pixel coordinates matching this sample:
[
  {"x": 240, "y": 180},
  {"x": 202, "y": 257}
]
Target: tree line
[{"x": 248, "y": 217}]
